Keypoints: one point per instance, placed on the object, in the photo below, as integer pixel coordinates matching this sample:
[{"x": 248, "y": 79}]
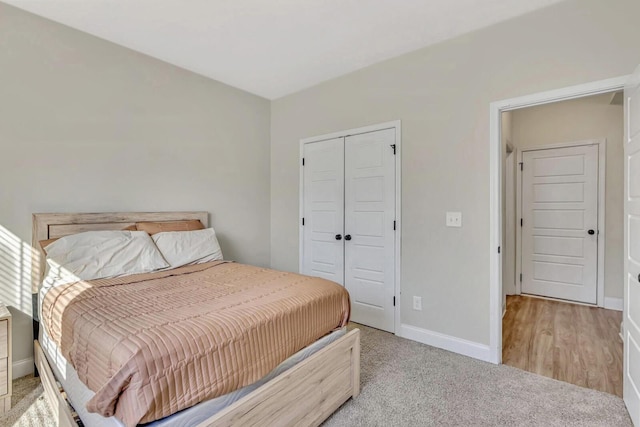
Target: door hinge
[
  {"x": 521, "y": 222},
  {"x": 394, "y": 225},
  {"x": 521, "y": 165},
  {"x": 520, "y": 277},
  {"x": 302, "y": 221},
  {"x": 498, "y": 249},
  {"x": 303, "y": 161},
  {"x": 394, "y": 148},
  {"x": 394, "y": 301}
]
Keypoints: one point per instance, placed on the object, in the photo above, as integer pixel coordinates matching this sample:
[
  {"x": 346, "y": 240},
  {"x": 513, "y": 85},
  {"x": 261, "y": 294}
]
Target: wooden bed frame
[{"x": 304, "y": 395}]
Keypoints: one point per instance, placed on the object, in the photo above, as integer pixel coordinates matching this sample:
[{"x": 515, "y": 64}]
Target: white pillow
[
  {"x": 104, "y": 254},
  {"x": 188, "y": 247}
]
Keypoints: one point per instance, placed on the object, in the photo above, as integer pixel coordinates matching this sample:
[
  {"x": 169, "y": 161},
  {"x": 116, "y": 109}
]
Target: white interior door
[
  {"x": 323, "y": 251},
  {"x": 560, "y": 223},
  {"x": 631, "y": 318},
  {"x": 369, "y": 227}
]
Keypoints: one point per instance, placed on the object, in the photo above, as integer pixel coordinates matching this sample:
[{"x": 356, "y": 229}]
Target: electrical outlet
[
  {"x": 454, "y": 219},
  {"x": 417, "y": 303}
]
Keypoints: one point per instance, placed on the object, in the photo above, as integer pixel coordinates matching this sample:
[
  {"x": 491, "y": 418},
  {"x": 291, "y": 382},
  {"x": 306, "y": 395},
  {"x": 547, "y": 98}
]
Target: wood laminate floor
[{"x": 569, "y": 342}]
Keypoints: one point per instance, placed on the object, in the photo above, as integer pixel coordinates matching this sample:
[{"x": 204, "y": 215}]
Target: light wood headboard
[{"x": 53, "y": 225}]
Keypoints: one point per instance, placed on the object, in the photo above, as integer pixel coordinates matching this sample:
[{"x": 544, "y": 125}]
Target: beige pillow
[
  {"x": 45, "y": 243},
  {"x": 160, "y": 227}
]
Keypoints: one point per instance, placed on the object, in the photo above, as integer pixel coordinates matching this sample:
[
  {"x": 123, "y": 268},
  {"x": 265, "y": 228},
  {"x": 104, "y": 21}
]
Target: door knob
[
  {"x": 347, "y": 237},
  {"x": 592, "y": 232},
  {"x": 338, "y": 236}
]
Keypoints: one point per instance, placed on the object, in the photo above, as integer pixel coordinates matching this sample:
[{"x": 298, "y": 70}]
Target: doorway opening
[
  {"x": 495, "y": 185},
  {"x": 562, "y": 270}
]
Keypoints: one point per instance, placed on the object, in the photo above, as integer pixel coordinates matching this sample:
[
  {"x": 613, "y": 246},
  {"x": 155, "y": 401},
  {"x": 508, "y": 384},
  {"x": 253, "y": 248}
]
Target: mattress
[
  {"x": 152, "y": 345},
  {"x": 79, "y": 394}
]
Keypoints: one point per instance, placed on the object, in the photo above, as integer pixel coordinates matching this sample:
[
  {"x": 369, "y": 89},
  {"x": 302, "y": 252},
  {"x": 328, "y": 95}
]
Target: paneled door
[
  {"x": 631, "y": 317},
  {"x": 349, "y": 223},
  {"x": 324, "y": 209},
  {"x": 560, "y": 223},
  {"x": 369, "y": 227}
]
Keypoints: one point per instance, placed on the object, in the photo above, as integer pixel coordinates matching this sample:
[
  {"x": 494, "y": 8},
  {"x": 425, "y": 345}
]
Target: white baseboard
[
  {"x": 22, "y": 367},
  {"x": 613, "y": 303},
  {"x": 446, "y": 342}
]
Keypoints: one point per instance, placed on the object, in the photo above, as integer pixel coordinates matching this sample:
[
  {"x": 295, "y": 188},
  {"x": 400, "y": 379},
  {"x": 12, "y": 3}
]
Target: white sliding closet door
[
  {"x": 324, "y": 209},
  {"x": 369, "y": 227}
]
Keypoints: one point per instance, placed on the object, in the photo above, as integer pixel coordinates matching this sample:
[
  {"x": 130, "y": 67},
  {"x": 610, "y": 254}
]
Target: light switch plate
[{"x": 454, "y": 219}]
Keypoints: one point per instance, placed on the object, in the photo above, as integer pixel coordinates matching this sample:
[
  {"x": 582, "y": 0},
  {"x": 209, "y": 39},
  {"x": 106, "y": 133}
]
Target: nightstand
[{"x": 5, "y": 359}]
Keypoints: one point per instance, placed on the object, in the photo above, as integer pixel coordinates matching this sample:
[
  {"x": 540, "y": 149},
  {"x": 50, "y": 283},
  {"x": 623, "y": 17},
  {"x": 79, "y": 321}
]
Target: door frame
[
  {"x": 602, "y": 173},
  {"x": 510, "y": 248},
  {"x": 397, "y": 125},
  {"x": 495, "y": 187}
]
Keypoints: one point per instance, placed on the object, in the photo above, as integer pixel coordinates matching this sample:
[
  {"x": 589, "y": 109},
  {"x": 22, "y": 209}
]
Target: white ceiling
[{"x": 276, "y": 47}]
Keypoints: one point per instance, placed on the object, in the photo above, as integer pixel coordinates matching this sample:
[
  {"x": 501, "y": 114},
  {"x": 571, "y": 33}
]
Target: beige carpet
[
  {"x": 28, "y": 406},
  {"x": 405, "y": 383}
]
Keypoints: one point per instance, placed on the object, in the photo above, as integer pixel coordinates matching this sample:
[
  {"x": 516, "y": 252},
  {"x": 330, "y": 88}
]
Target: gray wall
[
  {"x": 442, "y": 95},
  {"x": 577, "y": 120},
  {"x": 86, "y": 125}
]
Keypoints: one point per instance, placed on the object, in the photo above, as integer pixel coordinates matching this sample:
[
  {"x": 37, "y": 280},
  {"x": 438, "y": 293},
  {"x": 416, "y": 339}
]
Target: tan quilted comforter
[{"x": 150, "y": 345}]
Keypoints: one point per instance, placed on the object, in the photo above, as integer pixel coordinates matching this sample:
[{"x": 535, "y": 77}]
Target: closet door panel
[
  {"x": 369, "y": 217},
  {"x": 323, "y": 253}
]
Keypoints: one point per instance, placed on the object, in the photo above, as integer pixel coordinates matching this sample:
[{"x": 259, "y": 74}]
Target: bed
[{"x": 304, "y": 392}]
